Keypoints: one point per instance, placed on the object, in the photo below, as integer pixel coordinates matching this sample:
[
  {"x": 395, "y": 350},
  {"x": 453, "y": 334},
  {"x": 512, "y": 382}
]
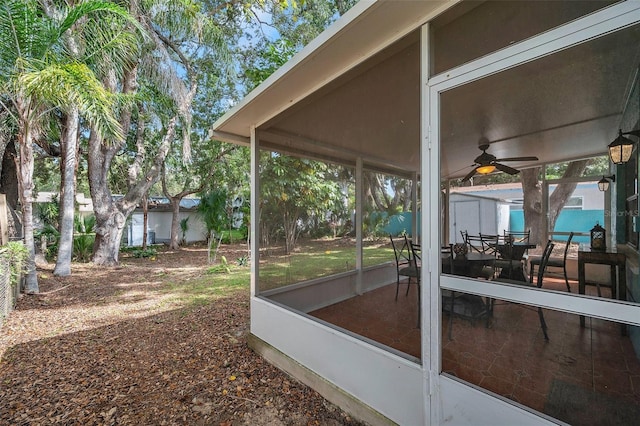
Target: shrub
[
  {"x": 149, "y": 252},
  {"x": 17, "y": 253},
  {"x": 222, "y": 268}
]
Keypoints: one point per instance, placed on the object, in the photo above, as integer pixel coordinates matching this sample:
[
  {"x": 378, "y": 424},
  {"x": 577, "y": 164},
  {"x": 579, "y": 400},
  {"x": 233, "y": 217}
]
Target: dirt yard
[{"x": 154, "y": 341}]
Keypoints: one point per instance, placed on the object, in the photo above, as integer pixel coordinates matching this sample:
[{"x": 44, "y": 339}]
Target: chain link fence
[{"x": 8, "y": 293}]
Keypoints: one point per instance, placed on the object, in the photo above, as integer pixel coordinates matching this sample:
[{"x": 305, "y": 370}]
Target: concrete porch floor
[{"x": 587, "y": 375}]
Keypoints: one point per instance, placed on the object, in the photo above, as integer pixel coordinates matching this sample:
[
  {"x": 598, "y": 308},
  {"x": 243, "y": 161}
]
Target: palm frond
[
  {"x": 25, "y": 32},
  {"x": 75, "y": 85},
  {"x": 87, "y": 8}
]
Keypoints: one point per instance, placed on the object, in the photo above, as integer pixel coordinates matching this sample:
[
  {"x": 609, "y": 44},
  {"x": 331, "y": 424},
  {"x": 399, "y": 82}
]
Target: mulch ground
[{"x": 111, "y": 346}]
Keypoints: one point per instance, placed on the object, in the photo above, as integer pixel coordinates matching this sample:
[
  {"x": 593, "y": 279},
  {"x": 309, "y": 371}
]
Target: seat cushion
[
  {"x": 409, "y": 271},
  {"x": 553, "y": 261},
  {"x": 506, "y": 263}
]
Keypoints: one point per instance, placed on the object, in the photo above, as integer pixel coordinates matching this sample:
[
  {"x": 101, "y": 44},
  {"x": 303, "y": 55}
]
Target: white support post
[
  {"x": 255, "y": 213},
  {"x": 430, "y": 230},
  {"x": 446, "y": 233},
  {"x": 358, "y": 224},
  {"x": 414, "y": 209}
]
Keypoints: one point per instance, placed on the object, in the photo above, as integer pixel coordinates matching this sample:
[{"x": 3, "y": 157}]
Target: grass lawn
[{"x": 317, "y": 259}]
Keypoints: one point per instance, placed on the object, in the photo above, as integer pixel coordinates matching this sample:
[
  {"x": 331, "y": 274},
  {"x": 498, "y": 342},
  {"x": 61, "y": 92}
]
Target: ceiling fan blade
[
  {"x": 532, "y": 158},
  {"x": 469, "y": 175},
  {"x": 506, "y": 169}
]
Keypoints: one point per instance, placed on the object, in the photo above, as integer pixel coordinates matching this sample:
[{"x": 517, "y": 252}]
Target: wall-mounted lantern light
[
  {"x": 621, "y": 148},
  {"x": 603, "y": 184}
]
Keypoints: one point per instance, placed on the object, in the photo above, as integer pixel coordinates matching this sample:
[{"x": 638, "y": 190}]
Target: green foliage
[
  {"x": 49, "y": 212},
  {"x": 233, "y": 235},
  {"x": 213, "y": 210},
  {"x": 83, "y": 247},
  {"x": 38, "y": 65},
  {"x": 268, "y": 60},
  {"x": 374, "y": 223},
  {"x": 184, "y": 227},
  {"x": 297, "y": 191},
  {"x": 83, "y": 238},
  {"x": 596, "y": 166},
  {"x": 18, "y": 254},
  {"x": 297, "y": 26},
  {"x": 52, "y": 236},
  {"x": 222, "y": 268},
  {"x": 149, "y": 252}
]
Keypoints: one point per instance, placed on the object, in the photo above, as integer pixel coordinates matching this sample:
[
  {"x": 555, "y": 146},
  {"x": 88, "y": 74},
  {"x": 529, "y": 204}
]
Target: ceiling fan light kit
[
  {"x": 487, "y": 163},
  {"x": 486, "y": 169}
]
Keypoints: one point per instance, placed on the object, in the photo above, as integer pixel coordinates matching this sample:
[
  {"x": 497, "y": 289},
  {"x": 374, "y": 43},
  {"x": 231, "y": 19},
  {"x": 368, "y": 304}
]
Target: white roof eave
[{"x": 348, "y": 42}]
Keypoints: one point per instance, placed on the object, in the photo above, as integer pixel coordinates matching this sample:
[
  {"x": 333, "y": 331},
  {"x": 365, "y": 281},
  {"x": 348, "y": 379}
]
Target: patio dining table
[
  {"x": 617, "y": 261},
  {"x": 473, "y": 264},
  {"x": 510, "y": 252},
  {"x": 515, "y": 250}
]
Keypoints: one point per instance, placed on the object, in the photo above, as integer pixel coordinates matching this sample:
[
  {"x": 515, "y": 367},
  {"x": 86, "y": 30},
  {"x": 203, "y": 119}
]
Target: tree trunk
[
  {"x": 290, "y": 225},
  {"x": 5, "y": 141},
  {"x": 107, "y": 248},
  {"x": 109, "y": 228},
  {"x": 532, "y": 204},
  {"x": 563, "y": 192},
  {"x": 108, "y": 217},
  {"x": 111, "y": 216},
  {"x": 175, "y": 223},
  {"x": 145, "y": 222},
  {"x": 26, "y": 199},
  {"x": 532, "y": 190},
  {"x": 9, "y": 179},
  {"x": 67, "y": 193}
]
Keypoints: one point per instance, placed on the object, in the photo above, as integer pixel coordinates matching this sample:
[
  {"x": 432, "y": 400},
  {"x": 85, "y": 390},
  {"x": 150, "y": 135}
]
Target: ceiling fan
[{"x": 486, "y": 163}]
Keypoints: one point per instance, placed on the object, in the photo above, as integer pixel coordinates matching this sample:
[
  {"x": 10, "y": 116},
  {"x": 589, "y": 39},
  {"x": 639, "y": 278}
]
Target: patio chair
[
  {"x": 544, "y": 259},
  {"x": 506, "y": 263},
  {"x": 448, "y": 267},
  {"x": 519, "y": 238},
  {"x": 416, "y": 260},
  {"x": 557, "y": 262},
  {"x": 484, "y": 244},
  {"x": 405, "y": 265},
  {"x": 447, "y": 256}
]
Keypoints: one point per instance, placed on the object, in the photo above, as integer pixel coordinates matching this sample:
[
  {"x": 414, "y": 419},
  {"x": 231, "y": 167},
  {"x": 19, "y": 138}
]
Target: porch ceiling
[{"x": 562, "y": 107}]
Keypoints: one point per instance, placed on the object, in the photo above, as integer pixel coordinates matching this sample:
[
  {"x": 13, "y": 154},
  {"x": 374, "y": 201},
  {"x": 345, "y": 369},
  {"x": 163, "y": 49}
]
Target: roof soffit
[{"x": 364, "y": 31}]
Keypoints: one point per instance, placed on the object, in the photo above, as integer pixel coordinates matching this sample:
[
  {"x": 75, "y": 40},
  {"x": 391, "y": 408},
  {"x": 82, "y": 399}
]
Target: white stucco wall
[{"x": 160, "y": 223}]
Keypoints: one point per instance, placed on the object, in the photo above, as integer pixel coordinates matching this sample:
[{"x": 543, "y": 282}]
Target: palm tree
[{"x": 39, "y": 76}]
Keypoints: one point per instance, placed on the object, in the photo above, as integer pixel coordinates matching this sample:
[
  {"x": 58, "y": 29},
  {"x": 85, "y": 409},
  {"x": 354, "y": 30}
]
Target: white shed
[
  {"x": 476, "y": 214},
  {"x": 159, "y": 218}
]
